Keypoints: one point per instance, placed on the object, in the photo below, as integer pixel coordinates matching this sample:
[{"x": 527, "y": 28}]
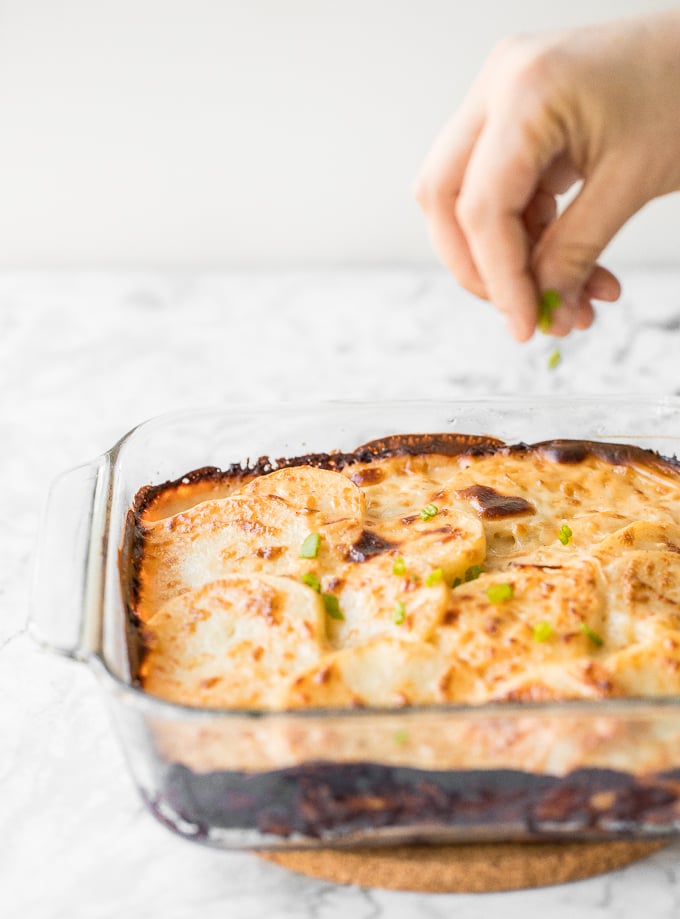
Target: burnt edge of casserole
[{"x": 321, "y": 802}]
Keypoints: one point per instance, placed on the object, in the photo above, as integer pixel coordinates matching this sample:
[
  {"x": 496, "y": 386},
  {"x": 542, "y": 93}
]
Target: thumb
[{"x": 566, "y": 256}]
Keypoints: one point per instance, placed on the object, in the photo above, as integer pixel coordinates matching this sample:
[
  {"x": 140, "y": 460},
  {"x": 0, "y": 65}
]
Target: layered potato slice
[
  {"x": 330, "y": 494},
  {"x": 402, "y": 587},
  {"x": 372, "y": 600},
  {"x": 594, "y": 497},
  {"x": 546, "y": 621},
  {"x": 642, "y": 566},
  {"x": 397, "y": 486},
  {"x": 234, "y": 642},
  {"x": 386, "y": 672},
  {"x": 262, "y": 527},
  {"x": 452, "y": 539}
]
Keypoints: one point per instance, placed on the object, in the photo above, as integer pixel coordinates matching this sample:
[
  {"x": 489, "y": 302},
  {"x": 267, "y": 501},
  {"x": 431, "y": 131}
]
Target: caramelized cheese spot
[{"x": 492, "y": 505}]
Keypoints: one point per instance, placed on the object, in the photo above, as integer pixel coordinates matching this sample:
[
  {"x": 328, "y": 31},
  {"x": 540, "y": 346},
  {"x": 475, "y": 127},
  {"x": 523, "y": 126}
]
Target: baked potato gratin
[{"x": 418, "y": 569}]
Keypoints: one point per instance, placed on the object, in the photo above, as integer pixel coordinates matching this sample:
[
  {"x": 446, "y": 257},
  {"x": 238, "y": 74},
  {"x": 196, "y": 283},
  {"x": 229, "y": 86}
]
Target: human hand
[{"x": 597, "y": 104}]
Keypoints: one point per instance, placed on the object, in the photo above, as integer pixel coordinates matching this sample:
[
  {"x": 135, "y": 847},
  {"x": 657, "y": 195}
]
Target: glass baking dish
[{"x": 256, "y": 779}]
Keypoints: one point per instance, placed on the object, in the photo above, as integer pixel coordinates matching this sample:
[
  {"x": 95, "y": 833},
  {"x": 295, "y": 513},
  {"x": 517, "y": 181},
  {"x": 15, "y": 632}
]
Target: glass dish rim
[
  {"x": 298, "y": 405},
  {"x": 592, "y": 708}
]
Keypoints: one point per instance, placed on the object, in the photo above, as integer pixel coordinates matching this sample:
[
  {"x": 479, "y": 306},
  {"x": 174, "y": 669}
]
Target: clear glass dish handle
[{"x": 66, "y": 595}]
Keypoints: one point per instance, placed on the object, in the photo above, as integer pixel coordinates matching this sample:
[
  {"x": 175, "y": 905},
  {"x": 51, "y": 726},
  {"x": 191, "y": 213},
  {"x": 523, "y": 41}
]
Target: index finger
[{"x": 503, "y": 174}]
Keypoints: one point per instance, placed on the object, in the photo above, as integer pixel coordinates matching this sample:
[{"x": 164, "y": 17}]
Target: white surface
[
  {"x": 203, "y": 132},
  {"x": 85, "y": 357}
]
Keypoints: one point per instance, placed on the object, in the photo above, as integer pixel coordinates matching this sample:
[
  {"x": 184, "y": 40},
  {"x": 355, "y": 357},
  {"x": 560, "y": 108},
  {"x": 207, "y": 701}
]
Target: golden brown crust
[
  {"x": 210, "y": 481},
  {"x": 594, "y": 617}
]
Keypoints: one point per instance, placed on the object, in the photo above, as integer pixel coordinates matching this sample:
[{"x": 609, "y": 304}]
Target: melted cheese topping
[{"x": 398, "y": 606}]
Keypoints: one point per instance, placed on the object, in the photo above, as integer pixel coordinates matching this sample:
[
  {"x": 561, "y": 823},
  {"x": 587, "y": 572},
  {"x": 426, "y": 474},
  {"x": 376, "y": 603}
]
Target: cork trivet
[{"x": 478, "y": 868}]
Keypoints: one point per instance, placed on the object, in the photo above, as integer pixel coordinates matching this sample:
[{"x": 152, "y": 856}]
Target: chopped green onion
[
  {"x": 499, "y": 593},
  {"x": 549, "y": 302},
  {"x": 565, "y": 534},
  {"x": 554, "y": 358},
  {"x": 399, "y": 614},
  {"x": 473, "y": 572},
  {"x": 332, "y": 606},
  {"x": 311, "y": 580},
  {"x": 310, "y": 547},
  {"x": 542, "y": 631},
  {"x": 434, "y": 577},
  {"x": 456, "y": 582},
  {"x": 429, "y": 511},
  {"x": 592, "y": 634},
  {"x": 401, "y": 737},
  {"x": 399, "y": 566}
]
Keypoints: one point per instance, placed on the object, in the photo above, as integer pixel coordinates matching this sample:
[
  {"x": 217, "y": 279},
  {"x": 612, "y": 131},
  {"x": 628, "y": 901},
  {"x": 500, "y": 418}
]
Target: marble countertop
[{"x": 83, "y": 358}]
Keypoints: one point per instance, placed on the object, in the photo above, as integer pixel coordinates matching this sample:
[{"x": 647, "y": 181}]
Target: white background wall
[{"x": 200, "y": 132}]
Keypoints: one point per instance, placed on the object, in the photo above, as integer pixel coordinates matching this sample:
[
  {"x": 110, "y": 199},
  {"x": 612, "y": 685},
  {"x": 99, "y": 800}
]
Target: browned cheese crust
[{"x": 440, "y": 577}]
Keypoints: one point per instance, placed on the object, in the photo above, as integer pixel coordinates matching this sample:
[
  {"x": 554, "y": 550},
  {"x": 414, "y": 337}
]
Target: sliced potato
[
  {"x": 647, "y": 669},
  {"x": 580, "y": 678},
  {"x": 234, "y": 641},
  {"x": 395, "y": 495},
  {"x": 382, "y": 672},
  {"x": 246, "y": 533},
  {"x": 453, "y": 539},
  {"x": 640, "y": 536},
  {"x": 494, "y": 636},
  {"x": 644, "y": 597},
  {"x": 374, "y": 601},
  {"x": 329, "y": 493}
]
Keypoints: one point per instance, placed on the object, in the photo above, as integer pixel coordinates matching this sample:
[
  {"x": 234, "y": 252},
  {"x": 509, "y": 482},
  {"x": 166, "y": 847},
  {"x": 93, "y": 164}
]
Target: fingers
[
  {"x": 603, "y": 285},
  {"x": 539, "y": 214},
  {"x": 499, "y": 193},
  {"x": 483, "y": 222},
  {"x": 493, "y": 218},
  {"x": 451, "y": 246},
  {"x": 565, "y": 258},
  {"x": 560, "y": 175},
  {"x": 584, "y": 315},
  {"x": 581, "y": 317},
  {"x": 548, "y": 110},
  {"x": 506, "y": 242}
]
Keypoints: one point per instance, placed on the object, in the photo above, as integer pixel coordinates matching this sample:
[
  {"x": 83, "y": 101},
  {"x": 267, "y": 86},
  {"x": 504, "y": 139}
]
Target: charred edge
[
  {"x": 129, "y": 561},
  {"x": 492, "y": 505},
  {"x": 334, "y": 462},
  {"x": 334, "y": 800},
  {"x": 575, "y": 451},
  {"x": 148, "y": 493},
  {"x": 370, "y": 476},
  {"x": 445, "y": 444},
  {"x": 368, "y": 545},
  {"x": 560, "y": 451}
]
